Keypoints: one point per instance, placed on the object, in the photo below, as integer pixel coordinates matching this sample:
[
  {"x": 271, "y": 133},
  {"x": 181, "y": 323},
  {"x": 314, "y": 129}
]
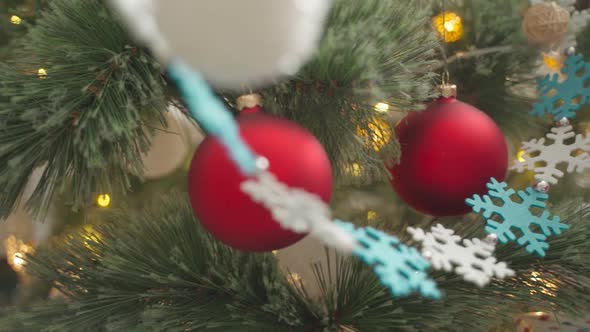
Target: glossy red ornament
[
  {"x": 449, "y": 152},
  {"x": 296, "y": 158}
]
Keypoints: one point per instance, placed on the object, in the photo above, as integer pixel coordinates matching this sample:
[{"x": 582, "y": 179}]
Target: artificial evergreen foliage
[
  {"x": 494, "y": 65},
  {"x": 175, "y": 277},
  {"x": 88, "y": 120},
  {"x": 148, "y": 265},
  {"x": 373, "y": 51}
]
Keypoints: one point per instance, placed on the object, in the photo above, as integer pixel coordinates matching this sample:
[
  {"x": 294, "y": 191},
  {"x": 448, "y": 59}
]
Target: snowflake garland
[
  {"x": 399, "y": 267},
  {"x": 518, "y": 215},
  {"x": 473, "y": 259},
  {"x": 548, "y": 157},
  {"x": 298, "y": 210},
  {"x": 563, "y": 99}
]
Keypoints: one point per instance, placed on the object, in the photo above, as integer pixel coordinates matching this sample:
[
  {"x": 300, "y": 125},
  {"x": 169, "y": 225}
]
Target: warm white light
[
  {"x": 382, "y": 107},
  {"x": 450, "y": 26},
  {"x": 18, "y": 260},
  {"x": 103, "y": 200},
  {"x": 15, "y": 20},
  {"x": 42, "y": 73}
]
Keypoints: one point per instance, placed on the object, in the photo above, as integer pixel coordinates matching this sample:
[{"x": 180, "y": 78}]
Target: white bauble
[
  {"x": 170, "y": 145},
  {"x": 234, "y": 43}
]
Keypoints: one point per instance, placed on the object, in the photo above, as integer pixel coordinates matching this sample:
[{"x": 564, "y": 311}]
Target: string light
[
  {"x": 103, "y": 200},
  {"x": 18, "y": 260},
  {"x": 42, "y": 73},
  {"x": 295, "y": 279},
  {"x": 15, "y": 20},
  {"x": 382, "y": 107},
  {"x": 449, "y": 26},
  {"x": 16, "y": 250},
  {"x": 552, "y": 61},
  {"x": 371, "y": 215}
]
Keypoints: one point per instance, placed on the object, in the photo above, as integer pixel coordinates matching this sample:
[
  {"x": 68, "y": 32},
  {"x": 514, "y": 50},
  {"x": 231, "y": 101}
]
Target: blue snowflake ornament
[
  {"x": 400, "y": 268},
  {"x": 518, "y": 215},
  {"x": 563, "y": 99}
]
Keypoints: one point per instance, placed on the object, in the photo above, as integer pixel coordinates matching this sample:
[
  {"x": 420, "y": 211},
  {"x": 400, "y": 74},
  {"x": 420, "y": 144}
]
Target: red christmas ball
[
  {"x": 296, "y": 158},
  {"x": 449, "y": 152}
]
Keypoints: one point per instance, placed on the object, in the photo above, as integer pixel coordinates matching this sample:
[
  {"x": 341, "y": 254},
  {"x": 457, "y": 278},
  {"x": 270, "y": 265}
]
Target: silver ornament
[
  {"x": 542, "y": 186},
  {"x": 570, "y": 51},
  {"x": 492, "y": 239},
  {"x": 563, "y": 122},
  {"x": 262, "y": 163}
]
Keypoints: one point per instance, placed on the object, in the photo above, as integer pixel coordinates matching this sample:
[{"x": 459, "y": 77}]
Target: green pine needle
[{"x": 84, "y": 121}]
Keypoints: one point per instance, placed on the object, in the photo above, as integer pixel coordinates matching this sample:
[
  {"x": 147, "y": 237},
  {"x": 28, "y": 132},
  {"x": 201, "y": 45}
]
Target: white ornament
[
  {"x": 548, "y": 157},
  {"x": 299, "y": 211},
  {"x": 234, "y": 44},
  {"x": 473, "y": 259}
]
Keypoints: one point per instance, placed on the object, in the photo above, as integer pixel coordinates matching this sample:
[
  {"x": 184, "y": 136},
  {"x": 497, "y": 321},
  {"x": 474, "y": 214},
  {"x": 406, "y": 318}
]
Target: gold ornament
[
  {"x": 449, "y": 26},
  {"x": 355, "y": 169},
  {"x": 377, "y": 134},
  {"x": 546, "y": 23}
]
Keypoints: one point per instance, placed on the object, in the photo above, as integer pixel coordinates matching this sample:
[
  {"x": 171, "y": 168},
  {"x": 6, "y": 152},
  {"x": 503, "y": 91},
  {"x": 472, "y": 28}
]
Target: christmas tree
[{"x": 98, "y": 130}]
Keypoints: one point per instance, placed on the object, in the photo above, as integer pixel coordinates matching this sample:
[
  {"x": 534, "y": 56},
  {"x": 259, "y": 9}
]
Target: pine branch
[
  {"x": 372, "y": 51},
  {"x": 500, "y": 82},
  {"x": 157, "y": 270},
  {"x": 83, "y": 121},
  {"x": 557, "y": 283},
  {"x": 471, "y": 54}
]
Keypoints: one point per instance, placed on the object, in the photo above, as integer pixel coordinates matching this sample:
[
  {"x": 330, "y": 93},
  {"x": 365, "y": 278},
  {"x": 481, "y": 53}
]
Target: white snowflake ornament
[
  {"x": 473, "y": 259},
  {"x": 298, "y": 210},
  {"x": 544, "y": 159}
]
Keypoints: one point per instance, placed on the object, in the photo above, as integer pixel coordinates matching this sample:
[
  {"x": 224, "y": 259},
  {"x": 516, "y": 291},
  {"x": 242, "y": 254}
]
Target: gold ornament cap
[
  {"x": 248, "y": 101},
  {"x": 448, "y": 90}
]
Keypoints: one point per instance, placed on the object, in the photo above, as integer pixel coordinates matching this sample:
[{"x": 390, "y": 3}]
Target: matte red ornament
[
  {"x": 296, "y": 158},
  {"x": 449, "y": 153}
]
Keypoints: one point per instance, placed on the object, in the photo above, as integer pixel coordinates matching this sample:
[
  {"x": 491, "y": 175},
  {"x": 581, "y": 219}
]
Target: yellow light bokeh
[
  {"x": 15, "y": 20},
  {"x": 520, "y": 156},
  {"x": 449, "y": 26},
  {"x": 371, "y": 215},
  {"x": 16, "y": 250},
  {"x": 17, "y": 259},
  {"x": 552, "y": 62},
  {"x": 377, "y": 134},
  {"x": 42, "y": 73},
  {"x": 103, "y": 200},
  {"x": 382, "y": 107}
]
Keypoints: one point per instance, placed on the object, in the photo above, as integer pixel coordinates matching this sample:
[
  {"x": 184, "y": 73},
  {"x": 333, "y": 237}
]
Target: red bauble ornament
[
  {"x": 449, "y": 152},
  {"x": 296, "y": 158}
]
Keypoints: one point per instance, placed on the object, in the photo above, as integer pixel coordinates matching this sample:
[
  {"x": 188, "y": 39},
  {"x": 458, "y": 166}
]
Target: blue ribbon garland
[{"x": 212, "y": 115}]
